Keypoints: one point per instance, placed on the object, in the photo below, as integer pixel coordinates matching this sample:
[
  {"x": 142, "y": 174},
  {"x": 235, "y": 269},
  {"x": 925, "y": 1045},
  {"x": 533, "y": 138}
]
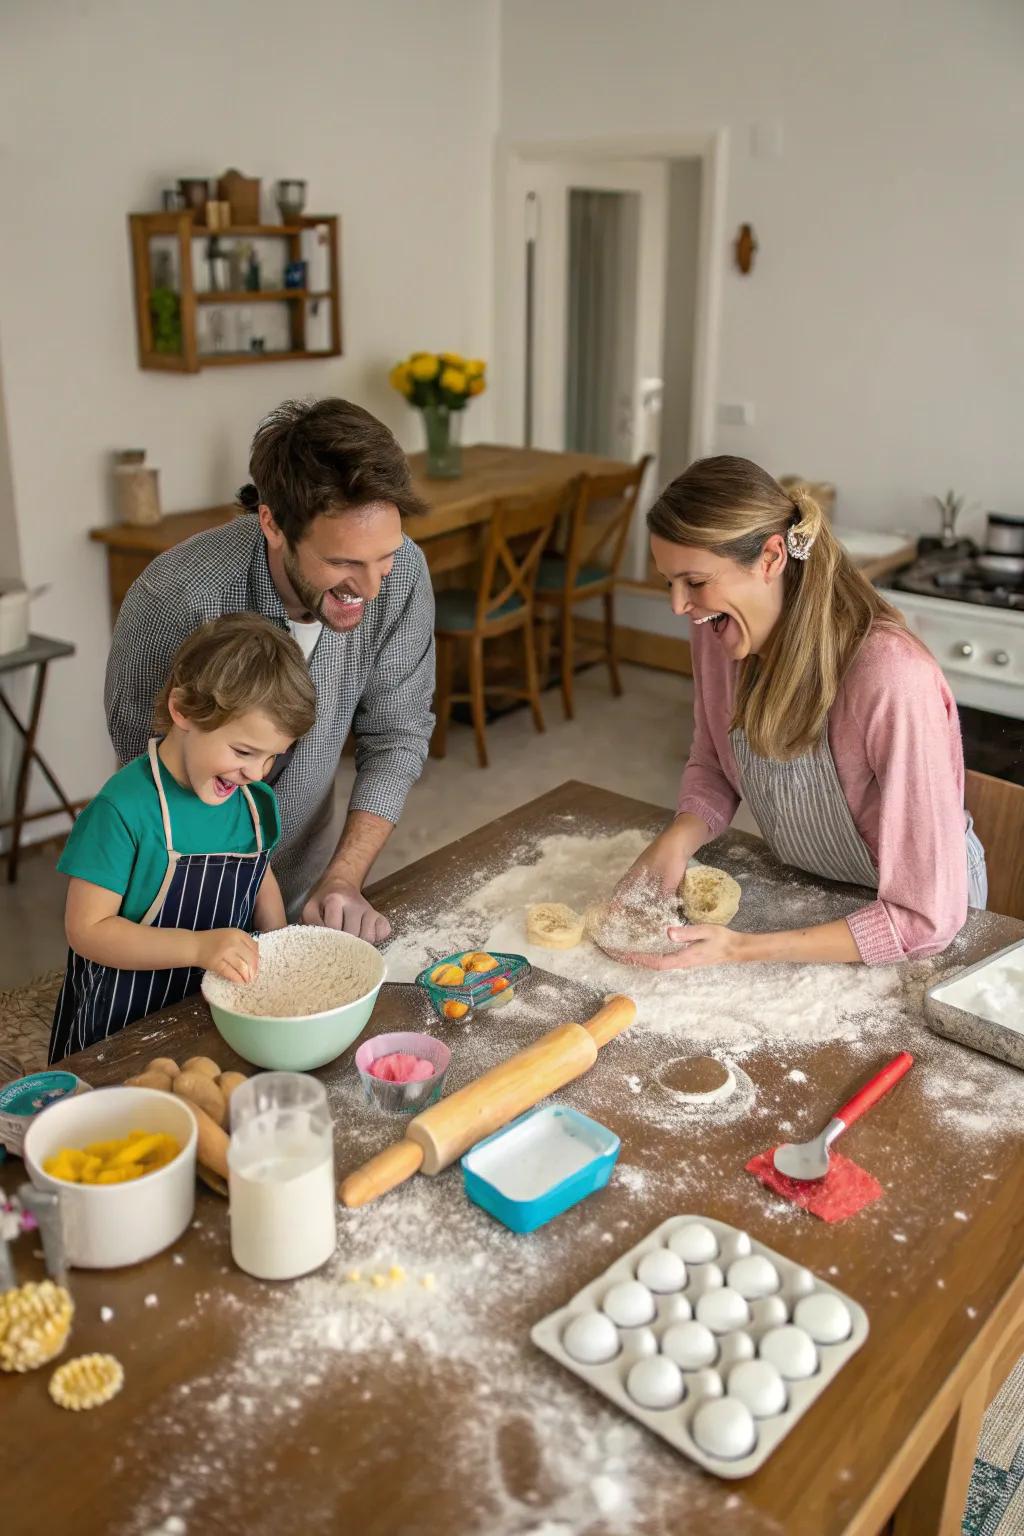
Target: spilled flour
[{"x": 428, "y": 1301}]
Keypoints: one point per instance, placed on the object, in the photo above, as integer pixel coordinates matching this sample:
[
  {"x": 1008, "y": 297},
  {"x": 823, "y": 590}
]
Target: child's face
[{"x": 237, "y": 752}]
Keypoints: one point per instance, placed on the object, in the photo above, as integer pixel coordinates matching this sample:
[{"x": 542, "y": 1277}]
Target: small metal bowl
[{"x": 402, "y": 1098}]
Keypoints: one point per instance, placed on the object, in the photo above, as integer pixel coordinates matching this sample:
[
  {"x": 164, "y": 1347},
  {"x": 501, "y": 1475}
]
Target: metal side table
[{"x": 39, "y": 652}]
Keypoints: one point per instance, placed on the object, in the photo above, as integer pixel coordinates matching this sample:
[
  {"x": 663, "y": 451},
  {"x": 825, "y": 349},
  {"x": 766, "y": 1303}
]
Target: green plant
[{"x": 165, "y": 311}]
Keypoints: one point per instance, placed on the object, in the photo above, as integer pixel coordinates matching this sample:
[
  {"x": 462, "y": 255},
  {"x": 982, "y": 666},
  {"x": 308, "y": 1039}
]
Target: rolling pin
[{"x": 442, "y": 1133}]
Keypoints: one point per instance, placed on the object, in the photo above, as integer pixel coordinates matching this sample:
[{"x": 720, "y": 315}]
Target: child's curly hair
[{"x": 235, "y": 664}]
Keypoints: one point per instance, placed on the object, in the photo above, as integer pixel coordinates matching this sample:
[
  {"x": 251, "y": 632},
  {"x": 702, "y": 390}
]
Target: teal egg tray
[{"x": 478, "y": 991}]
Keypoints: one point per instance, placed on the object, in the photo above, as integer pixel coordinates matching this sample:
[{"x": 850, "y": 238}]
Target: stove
[{"x": 972, "y": 621}]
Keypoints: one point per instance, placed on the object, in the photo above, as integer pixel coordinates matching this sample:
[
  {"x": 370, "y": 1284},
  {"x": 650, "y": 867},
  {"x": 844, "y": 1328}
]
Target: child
[{"x": 169, "y": 864}]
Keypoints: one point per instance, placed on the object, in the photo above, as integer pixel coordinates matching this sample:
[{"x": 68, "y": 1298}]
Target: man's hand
[
  {"x": 228, "y": 952},
  {"x": 339, "y": 903}
]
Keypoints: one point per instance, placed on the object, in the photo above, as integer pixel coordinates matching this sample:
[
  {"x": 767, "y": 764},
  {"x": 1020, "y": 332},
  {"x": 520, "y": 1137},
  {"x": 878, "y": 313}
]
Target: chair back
[
  {"x": 601, "y": 520},
  {"x": 998, "y": 810},
  {"x": 519, "y": 529}
]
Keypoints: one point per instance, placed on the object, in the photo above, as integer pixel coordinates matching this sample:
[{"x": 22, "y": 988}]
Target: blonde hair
[
  {"x": 731, "y": 507},
  {"x": 235, "y": 664}
]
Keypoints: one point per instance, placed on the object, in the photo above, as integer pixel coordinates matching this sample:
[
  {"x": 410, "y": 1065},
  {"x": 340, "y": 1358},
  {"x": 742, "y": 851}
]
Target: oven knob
[
  {"x": 965, "y": 648},
  {"x": 1001, "y": 658}
]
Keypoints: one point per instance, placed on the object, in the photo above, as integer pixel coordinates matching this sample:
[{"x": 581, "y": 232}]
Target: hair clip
[{"x": 798, "y": 543}]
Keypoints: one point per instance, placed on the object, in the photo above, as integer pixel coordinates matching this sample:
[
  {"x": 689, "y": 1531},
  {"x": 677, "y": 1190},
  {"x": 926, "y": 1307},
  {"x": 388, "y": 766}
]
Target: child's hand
[{"x": 228, "y": 952}]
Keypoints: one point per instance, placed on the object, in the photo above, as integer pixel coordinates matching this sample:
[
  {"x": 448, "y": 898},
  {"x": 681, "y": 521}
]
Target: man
[{"x": 322, "y": 553}]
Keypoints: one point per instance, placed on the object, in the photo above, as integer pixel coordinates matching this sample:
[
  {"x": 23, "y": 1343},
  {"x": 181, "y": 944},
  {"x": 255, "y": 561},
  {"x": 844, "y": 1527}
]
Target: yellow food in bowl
[
  {"x": 479, "y": 960},
  {"x": 113, "y": 1162},
  {"x": 448, "y": 976}
]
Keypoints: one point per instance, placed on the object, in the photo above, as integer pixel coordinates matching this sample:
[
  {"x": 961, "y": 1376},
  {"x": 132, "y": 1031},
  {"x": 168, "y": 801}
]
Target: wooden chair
[
  {"x": 502, "y": 604},
  {"x": 598, "y": 530},
  {"x": 998, "y": 810}
]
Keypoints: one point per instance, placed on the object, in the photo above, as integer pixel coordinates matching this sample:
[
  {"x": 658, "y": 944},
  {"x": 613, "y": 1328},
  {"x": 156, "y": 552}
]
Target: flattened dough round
[
  {"x": 553, "y": 925},
  {"x": 709, "y": 895}
]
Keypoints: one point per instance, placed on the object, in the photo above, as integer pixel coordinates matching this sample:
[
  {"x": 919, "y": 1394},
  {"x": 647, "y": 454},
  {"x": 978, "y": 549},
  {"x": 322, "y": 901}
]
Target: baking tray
[
  {"x": 1002, "y": 1040},
  {"x": 514, "y": 1175}
]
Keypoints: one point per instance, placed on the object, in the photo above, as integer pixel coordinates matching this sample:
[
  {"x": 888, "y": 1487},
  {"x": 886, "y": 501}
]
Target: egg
[
  {"x": 791, "y": 1351},
  {"x": 734, "y": 1348},
  {"x": 674, "y": 1309},
  {"x": 662, "y": 1271},
  {"x": 722, "y": 1310},
  {"x": 695, "y": 1243},
  {"x": 724, "y": 1427},
  {"x": 800, "y": 1283},
  {"x": 753, "y": 1276},
  {"x": 758, "y": 1384},
  {"x": 691, "y": 1345},
  {"x": 706, "y": 1383},
  {"x": 768, "y": 1312},
  {"x": 629, "y": 1304},
  {"x": 736, "y": 1245},
  {"x": 656, "y": 1383},
  {"x": 591, "y": 1339},
  {"x": 639, "y": 1344},
  {"x": 824, "y": 1316},
  {"x": 705, "y": 1277}
]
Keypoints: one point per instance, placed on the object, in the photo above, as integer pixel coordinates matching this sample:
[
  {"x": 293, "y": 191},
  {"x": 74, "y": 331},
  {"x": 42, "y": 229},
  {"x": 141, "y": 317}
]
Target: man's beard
[{"x": 311, "y": 599}]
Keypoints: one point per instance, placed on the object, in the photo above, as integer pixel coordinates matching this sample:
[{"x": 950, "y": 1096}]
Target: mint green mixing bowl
[{"x": 302, "y": 1042}]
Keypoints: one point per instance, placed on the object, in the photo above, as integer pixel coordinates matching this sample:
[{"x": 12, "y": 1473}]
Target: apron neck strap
[
  {"x": 254, "y": 813},
  {"x": 154, "y": 763}
]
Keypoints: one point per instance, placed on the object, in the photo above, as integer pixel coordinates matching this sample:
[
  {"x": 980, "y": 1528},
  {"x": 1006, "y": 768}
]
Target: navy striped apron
[
  {"x": 199, "y": 891},
  {"x": 805, "y": 818}
]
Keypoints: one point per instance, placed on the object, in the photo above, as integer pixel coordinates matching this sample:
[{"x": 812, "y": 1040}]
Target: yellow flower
[
  {"x": 476, "y": 368},
  {"x": 454, "y": 381},
  {"x": 477, "y": 386},
  {"x": 424, "y": 367},
  {"x": 452, "y": 359},
  {"x": 399, "y": 379}
]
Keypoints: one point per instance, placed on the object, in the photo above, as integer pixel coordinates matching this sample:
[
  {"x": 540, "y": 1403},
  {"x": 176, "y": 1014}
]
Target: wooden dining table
[
  {"x": 449, "y": 533},
  {"x": 402, "y": 1396}
]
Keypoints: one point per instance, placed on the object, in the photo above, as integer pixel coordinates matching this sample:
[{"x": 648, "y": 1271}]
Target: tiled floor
[{"x": 635, "y": 744}]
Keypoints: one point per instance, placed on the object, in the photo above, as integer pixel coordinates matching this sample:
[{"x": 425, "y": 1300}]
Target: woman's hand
[
  {"x": 665, "y": 859},
  {"x": 699, "y": 944}
]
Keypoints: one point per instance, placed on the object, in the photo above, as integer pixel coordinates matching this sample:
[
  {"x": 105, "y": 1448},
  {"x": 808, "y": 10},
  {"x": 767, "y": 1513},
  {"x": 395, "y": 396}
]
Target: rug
[
  {"x": 995, "y": 1501},
  {"x": 26, "y": 1016}
]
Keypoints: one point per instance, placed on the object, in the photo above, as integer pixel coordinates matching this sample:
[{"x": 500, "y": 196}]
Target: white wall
[
  {"x": 387, "y": 109},
  {"x": 881, "y": 333}
]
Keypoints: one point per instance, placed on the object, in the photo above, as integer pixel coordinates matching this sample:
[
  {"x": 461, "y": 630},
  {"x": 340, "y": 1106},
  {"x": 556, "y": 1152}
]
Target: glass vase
[{"x": 444, "y": 448}]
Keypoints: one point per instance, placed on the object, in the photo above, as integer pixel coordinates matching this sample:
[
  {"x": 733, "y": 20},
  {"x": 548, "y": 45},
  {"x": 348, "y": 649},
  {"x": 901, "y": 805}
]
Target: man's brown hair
[
  {"x": 235, "y": 664},
  {"x": 313, "y": 457}
]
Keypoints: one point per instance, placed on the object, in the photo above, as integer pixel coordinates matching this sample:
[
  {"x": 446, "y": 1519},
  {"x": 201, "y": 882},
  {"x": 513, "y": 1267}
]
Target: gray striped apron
[
  {"x": 199, "y": 891},
  {"x": 806, "y": 821}
]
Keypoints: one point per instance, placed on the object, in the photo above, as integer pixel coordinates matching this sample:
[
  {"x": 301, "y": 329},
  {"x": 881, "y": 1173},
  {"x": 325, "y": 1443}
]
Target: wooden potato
[{"x": 202, "y": 1091}]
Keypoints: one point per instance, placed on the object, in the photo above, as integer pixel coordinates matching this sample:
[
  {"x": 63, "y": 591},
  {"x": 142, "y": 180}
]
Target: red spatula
[{"x": 809, "y": 1159}]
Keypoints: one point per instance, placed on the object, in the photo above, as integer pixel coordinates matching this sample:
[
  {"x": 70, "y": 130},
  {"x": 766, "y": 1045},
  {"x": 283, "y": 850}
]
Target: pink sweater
[{"x": 894, "y": 734}]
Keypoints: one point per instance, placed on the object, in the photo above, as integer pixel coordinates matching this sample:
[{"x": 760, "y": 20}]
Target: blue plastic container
[{"x": 540, "y": 1165}]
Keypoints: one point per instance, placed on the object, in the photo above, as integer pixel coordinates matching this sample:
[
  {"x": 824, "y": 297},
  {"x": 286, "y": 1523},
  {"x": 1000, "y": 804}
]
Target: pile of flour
[{"x": 302, "y": 971}]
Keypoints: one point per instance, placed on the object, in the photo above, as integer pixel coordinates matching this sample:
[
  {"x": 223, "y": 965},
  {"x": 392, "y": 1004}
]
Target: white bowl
[{"x": 108, "y": 1225}]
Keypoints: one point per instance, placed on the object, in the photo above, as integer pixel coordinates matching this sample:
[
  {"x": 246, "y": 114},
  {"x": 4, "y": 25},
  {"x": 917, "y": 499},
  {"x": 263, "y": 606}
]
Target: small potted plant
[{"x": 441, "y": 385}]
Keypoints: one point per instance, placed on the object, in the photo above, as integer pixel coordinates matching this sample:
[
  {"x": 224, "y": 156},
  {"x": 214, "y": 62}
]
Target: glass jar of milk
[{"x": 281, "y": 1176}]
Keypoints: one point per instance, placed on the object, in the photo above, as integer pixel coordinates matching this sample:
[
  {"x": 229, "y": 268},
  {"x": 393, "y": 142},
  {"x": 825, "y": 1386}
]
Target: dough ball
[
  {"x": 164, "y": 1064},
  {"x": 709, "y": 895},
  {"x": 228, "y": 1082},
  {"x": 150, "y": 1079},
  {"x": 591, "y": 1339},
  {"x": 553, "y": 925},
  {"x": 204, "y": 1065},
  {"x": 203, "y": 1091},
  {"x": 637, "y": 920}
]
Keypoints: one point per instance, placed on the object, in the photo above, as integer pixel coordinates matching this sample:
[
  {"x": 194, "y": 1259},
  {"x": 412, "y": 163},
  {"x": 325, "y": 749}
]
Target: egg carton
[{"x": 715, "y": 1342}]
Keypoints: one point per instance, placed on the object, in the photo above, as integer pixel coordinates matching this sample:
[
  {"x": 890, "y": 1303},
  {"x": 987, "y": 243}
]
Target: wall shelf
[{"x": 167, "y": 322}]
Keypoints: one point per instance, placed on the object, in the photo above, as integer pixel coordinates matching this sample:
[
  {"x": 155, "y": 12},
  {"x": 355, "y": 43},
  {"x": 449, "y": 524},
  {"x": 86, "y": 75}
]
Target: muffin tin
[
  {"x": 715, "y": 1342},
  {"x": 479, "y": 989}
]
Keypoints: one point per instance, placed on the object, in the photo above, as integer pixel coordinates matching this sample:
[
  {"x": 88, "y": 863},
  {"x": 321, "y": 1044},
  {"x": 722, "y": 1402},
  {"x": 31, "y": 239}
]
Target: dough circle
[
  {"x": 553, "y": 925},
  {"x": 709, "y": 895}
]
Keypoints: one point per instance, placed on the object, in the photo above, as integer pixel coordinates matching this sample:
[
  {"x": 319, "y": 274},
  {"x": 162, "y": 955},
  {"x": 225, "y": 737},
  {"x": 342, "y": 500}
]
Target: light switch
[{"x": 738, "y": 413}]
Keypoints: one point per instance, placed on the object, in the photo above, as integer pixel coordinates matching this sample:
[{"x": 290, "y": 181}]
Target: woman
[{"x": 815, "y": 704}]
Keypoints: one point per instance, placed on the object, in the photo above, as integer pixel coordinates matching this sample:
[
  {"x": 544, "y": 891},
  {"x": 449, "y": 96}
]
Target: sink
[{"x": 866, "y": 544}]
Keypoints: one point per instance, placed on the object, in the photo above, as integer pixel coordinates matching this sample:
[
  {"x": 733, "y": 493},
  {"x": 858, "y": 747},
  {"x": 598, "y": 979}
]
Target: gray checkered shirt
[{"x": 377, "y": 679}]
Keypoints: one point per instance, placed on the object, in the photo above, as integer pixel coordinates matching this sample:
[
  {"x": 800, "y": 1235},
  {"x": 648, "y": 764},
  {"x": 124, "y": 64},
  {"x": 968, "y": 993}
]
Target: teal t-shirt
[{"x": 118, "y": 840}]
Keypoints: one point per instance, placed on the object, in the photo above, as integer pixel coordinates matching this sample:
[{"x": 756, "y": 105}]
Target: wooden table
[
  {"x": 205, "y": 1430},
  {"x": 38, "y": 654},
  {"x": 450, "y": 532}
]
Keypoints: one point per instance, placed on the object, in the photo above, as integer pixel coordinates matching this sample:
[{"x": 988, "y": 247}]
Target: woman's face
[{"x": 739, "y": 604}]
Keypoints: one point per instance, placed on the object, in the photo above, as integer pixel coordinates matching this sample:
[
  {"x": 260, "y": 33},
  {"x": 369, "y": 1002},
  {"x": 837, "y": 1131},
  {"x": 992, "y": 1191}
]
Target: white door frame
[{"x": 711, "y": 148}]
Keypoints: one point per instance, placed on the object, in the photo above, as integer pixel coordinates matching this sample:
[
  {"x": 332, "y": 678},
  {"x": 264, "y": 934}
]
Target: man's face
[{"x": 339, "y": 564}]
